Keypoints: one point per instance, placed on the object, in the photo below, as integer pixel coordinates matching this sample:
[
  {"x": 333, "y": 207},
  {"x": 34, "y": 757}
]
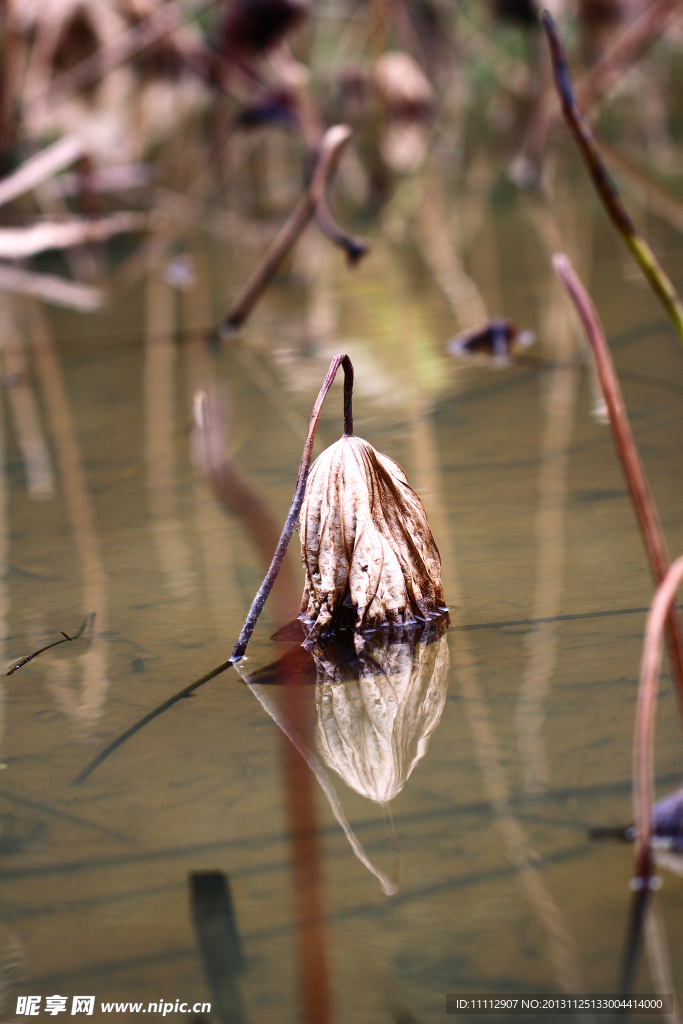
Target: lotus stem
[
  {"x": 264, "y": 590},
  {"x": 646, "y": 512},
  {"x": 604, "y": 184},
  {"x": 312, "y": 203},
  {"x": 643, "y": 751}
]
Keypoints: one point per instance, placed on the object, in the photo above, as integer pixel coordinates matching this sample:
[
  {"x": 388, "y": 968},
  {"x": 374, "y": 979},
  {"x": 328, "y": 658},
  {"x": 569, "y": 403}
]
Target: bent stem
[
  {"x": 646, "y": 512},
  {"x": 604, "y": 184},
  {"x": 311, "y": 203},
  {"x": 341, "y": 359}
]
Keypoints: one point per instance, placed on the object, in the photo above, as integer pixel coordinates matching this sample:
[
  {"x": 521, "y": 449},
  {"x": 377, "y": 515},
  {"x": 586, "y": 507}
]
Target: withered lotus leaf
[{"x": 366, "y": 545}]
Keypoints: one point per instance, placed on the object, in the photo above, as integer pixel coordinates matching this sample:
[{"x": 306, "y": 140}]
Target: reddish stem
[
  {"x": 646, "y": 512},
  {"x": 643, "y": 750}
]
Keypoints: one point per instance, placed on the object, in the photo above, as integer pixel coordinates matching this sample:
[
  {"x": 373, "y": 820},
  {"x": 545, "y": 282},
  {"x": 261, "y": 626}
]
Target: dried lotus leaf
[{"x": 366, "y": 546}]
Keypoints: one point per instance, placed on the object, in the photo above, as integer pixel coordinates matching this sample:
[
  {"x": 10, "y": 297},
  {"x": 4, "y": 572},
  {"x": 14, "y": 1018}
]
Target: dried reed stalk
[
  {"x": 605, "y": 187},
  {"x": 51, "y": 288},
  {"x": 646, "y": 512}
]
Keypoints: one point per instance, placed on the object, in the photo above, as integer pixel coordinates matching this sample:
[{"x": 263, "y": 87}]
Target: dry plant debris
[{"x": 365, "y": 542}]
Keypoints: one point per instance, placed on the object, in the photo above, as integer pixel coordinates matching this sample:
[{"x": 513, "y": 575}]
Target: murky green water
[{"x": 500, "y": 889}]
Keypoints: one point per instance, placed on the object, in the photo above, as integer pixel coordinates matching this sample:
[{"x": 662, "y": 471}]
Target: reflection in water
[
  {"x": 238, "y": 495},
  {"x": 559, "y": 335},
  {"x": 291, "y": 726},
  {"x": 518, "y": 849},
  {"x": 213, "y": 916},
  {"x": 85, "y": 708},
  {"x": 160, "y": 356},
  {"x": 658, "y": 960},
  {"x": 37, "y": 467},
  {"x": 378, "y": 708}
]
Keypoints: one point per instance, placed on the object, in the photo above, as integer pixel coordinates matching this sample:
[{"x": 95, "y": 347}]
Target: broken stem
[
  {"x": 646, "y": 512},
  {"x": 341, "y": 359},
  {"x": 607, "y": 190},
  {"x": 643, "y": 748},
  {"x": 311, "y": 203}
]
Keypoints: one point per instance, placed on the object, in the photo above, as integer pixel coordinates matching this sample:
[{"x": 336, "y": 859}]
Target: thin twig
[
  {"x": 56, "y": 643},
  {"x": 331, "y": 146},
  {"x": 607, "y": 190},
  {"x": 264, "y": 590},
  {"x": 646, "y": 512},
  {"x": 51, "y": 288}
]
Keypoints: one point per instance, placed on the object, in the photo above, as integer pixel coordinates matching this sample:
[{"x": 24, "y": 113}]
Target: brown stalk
[
  {"x": 341, "y": 359},
  {"x": 629, "y": 45},
  {"x": 311, "y": 204},
  {"x": 646, "y": 512},
  {"x": 647, "y": 261},
  {"x": 663, "y": 605},
  {"x": 56, "y": 643}
]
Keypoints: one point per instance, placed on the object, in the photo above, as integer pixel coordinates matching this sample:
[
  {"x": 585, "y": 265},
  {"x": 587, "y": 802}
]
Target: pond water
[{"x": 201, "y": 861}]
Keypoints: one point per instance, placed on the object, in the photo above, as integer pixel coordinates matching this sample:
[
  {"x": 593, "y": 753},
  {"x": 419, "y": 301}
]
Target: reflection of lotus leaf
[{"x": 373, "y": 729}]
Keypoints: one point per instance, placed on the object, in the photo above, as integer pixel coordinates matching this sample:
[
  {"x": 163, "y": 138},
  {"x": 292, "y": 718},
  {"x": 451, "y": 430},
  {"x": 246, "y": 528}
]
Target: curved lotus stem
[
  {"x": 646, "y": 512},
  {"x": 311, "y": 203},
  {"x": 643, "y": 752},
  {"x": 264, "y": 590}
]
